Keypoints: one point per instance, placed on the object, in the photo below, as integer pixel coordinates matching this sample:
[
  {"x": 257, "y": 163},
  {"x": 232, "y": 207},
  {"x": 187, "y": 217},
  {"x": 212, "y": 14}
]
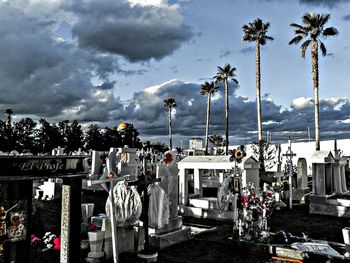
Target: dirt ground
[
  {"x": 215, "y": 246},
  {"x": 211, "y": 246}
]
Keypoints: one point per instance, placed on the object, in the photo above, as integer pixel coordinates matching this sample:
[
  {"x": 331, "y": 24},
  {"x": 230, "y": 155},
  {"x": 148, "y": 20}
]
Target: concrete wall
[{"x": 306, "y": 150}]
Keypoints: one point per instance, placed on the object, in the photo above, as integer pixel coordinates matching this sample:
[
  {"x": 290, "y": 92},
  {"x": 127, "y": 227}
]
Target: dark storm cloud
[
  {"x": 47, "y": 76},
  {"x": 44, "y": 76},
  {"x": 137, "y": 33},
  {"x": 150, "y": 117}
]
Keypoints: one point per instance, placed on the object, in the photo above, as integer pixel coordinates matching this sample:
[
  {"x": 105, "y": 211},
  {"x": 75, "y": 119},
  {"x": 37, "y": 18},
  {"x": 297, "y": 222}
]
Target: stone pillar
[
  {"x": 337, "y": 183},
  {"x": 70, "y": 220},
  {"x": 183, "y": 187},
  {"x": 65, "y": 226},
  {"x": 329, "y": 179},
  {"x": 301, "y": 174},
  {"x": 319, "y": 179},
  {"x": 343, "y": 178}
]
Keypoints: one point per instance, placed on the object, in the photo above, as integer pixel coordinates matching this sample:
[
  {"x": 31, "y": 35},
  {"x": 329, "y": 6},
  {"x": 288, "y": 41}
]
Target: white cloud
[
  {"x": 148, "y": 2},
  {"x": 302, "y": 103},
  {"x": 336, "y": 102}
]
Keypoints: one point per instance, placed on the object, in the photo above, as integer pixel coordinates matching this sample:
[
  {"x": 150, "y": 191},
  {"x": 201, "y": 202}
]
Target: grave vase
[{"x": 96, "y": 240}]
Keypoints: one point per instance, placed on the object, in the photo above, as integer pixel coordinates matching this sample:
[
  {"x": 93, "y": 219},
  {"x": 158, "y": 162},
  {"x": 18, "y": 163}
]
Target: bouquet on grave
[
  {"x": 267, "y": 199},
  {"x": 51, "y": 241},
  {"x": 257, "y": 205},
  {"x": 250, "y": 203}
]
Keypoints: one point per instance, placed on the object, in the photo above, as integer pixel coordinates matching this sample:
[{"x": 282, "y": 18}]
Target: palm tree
[
  {"x": 208, "y": 89},
  {"x": 312, "y": 31},
  {"x": 217, "y": 141},
  {"x": 170, "y": 103},
  {"x": 225, "y": 73},
  {"x": 256, "y": 32}
]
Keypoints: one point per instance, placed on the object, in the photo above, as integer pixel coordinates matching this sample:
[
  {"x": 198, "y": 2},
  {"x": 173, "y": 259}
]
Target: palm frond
[
  {"x": 330, "y": 31},
  {"x": 304, "y": 47},
  {"x": 297, "y": 26},
  {"x": 323, "y": 49},
  {"x": 296, "y": 39},
  {"x": 324, "y": 19},
  {"x": 302, "y": 32},
  {"x": 308, "y": 18},
  {"x": 170, "y": 103},
  {"x": 234, "y": 80}
]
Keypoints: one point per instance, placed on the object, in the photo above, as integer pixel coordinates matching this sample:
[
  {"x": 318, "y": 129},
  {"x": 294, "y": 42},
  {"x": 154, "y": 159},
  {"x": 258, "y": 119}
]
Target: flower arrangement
[
  {"x": 48, "y": 240},
  {"x": 268, "y": 199},
  {"x": 258, "y": 204},
  {"x": 57, "y": 243},
  {"x": 248, "y": 198}
]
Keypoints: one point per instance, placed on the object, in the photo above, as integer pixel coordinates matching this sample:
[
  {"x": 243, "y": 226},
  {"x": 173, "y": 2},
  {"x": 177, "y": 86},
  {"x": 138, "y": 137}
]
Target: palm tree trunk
[
  {"x": 207, "y": 126},
  {"x": 258, "y": 94},
  {"x": 258, "y": 106},
  {"x": 170, "y": 131},
  {"x": 226, "y": 114},
  {"x": 314, "y": 56}
]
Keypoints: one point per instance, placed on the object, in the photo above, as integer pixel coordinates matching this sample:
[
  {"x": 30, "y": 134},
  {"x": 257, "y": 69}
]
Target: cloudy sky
[{"x": 108, "y": 61}]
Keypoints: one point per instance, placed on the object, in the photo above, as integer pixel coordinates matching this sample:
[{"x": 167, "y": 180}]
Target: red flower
[
  {"x": 168, "y": 158},
  {"x": 244, "y": 198},
  {"x": 57, "y": 243}
]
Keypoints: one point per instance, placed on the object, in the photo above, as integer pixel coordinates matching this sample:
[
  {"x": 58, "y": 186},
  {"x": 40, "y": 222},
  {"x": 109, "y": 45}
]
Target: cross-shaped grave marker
[{"x": 289, "y": 155}]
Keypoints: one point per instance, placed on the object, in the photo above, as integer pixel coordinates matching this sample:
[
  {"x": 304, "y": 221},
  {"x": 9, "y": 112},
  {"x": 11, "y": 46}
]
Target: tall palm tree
[
  {"x": 170, "y": 103},
  {"x": 256, "y": 32},
  {"x": 223, "y": 75},
  {"x": 208, "y": 89},
  {"x": 312, "y": 31}
]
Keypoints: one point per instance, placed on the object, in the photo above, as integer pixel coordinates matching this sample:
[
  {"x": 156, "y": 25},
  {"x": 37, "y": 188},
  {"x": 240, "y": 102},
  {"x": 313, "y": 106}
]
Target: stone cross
[{"x": 289, "y": 155}]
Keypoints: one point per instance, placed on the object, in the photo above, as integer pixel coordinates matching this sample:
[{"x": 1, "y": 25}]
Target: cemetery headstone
[{"x": 301, "y": 189}]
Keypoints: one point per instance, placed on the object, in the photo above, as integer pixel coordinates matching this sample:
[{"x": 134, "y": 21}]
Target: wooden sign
[{"x": 13, "y": 167}]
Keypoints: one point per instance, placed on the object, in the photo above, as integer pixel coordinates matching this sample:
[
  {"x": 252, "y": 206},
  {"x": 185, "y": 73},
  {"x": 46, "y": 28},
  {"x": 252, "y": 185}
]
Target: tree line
[{"x": 28, "y": 135}]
